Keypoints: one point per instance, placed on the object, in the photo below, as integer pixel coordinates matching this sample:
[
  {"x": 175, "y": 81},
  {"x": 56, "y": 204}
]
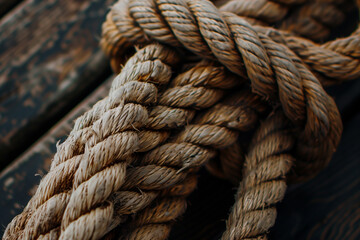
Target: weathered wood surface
[
  {"x": 326, "y": 207},
  {"x": 19, "y": 181},
  {"x": 44, "y": 72}
]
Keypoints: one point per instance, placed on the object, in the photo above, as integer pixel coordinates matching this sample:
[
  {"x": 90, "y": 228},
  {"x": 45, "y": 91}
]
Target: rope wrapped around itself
[
  {"x": 129, "y": 163},
  {"x": 259, "y": 56}
]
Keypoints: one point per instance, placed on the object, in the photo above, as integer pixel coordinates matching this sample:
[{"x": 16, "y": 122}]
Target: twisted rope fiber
[
  {"x": 172, "y": 151},
  {"x": 311, "y": 17},
  {"x": 107, "y": 203},
  {"x": 72, "y": 150},
  {"x": 176, "y": 156},
  {"x": 143, "y": 231},
  {"x": 267, "y": 62},
  {"x": 211, "y": 77},
  {"x": 87, "y": 150},
  {"x": 193, "y": 24},
  {"x": 226, "y": 117},
  {"x": 308, "y": 75},
  {"x": 261, "y": 11},
  {"x": 332, "y": 110},
  {"x": 264, "y": 184}
]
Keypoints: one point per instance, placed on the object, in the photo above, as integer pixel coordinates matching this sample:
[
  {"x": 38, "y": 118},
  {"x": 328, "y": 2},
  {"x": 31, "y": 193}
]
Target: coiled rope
[{"x": 129, "y": 163}]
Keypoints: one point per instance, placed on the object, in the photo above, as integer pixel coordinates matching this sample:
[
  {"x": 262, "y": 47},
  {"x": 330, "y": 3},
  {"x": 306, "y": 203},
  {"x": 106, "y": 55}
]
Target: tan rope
[
  {"x": 188, "y": 89},
  {"x": 309, "y": 77},
  {"x": 264, "y": 183},
  {"x": 131, "y": 159},
  {"x": 214, "y": 129},
  {"x": 300, "y": 93},
  {"x": 92, "y": 148},
  {"x": 193, "y": 25}
]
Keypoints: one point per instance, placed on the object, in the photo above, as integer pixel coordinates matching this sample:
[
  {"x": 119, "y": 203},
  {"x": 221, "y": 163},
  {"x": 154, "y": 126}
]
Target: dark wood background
[{"x": 52, "y": 70}]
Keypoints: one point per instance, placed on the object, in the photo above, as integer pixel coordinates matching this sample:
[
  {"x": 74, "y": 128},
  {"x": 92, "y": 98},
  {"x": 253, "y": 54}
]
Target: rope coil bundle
[{"x": 202, "y": 77}]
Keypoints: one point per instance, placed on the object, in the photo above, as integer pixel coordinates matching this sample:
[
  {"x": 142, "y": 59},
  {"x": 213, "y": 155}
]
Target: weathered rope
[
  {"x": 264, "y": 184},
  {"x": 303, "y": 74},
  {"x": 131, "y": 159},
  {"x": 188, "y": 88},
  {"x": 193, "y": 24},
  {"x": 91, "y": 148},
  {"x": 310, "y": 77},
  {"x": 252, "y": 54},
  {"x": 191, "y": 148}
]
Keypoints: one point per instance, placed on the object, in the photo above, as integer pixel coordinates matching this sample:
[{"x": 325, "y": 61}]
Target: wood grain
[
  {"x": 18, "y": 182},
  {"x": 49, "y": 60}
]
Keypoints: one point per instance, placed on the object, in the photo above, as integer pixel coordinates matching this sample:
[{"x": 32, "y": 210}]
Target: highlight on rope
[{"x": 192, "y": 78}]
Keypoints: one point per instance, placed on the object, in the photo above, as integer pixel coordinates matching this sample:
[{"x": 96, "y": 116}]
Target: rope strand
[{"x": 130, "y": 162}]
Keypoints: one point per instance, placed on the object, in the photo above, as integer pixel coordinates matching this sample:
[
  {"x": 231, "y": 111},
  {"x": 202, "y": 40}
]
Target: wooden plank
[
  {"x": 49, "y": 60},
  {"x": 18, "y": 181}
]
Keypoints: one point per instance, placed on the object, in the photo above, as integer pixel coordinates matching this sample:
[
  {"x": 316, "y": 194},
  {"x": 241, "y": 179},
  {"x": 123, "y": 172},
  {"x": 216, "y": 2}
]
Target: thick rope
[
  {"x": 264, "y": 184},
  {"x": 119, "y": 165},
  {"x": 192, "y": 25},
  {"x": 229, "y": 163},
  {"x": 272, "y": 68},
  {"x": 191, "y": 148},
  {"x": 188, "y": 143},
  {"x": 311, "y": 78},
  {"x": 188, "y": 88},
  {"x": 90, "y": 154}
]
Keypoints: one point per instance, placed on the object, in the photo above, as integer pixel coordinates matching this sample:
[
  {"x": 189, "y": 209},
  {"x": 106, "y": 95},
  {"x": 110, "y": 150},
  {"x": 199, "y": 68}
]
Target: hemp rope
[
  {"x": 227, "y": 117},
  {"x": 193, "y": 24},
  {"x": 323, "y": 11},
  {"x": 86, "y": 138},
  {"x": 197, "y": 137},
  {"x": 264, "y": 182},
  {"x": 263, "y": 58},
  {"x": 91, "y": 143},
  {"x": 211, "y": 76},
  {"x": 305, "y": 74}
]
